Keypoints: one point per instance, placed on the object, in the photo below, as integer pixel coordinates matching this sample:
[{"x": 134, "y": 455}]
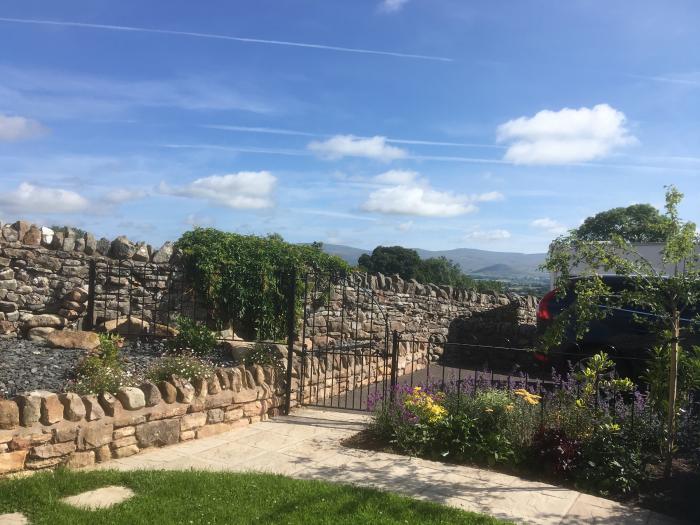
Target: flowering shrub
[
  {"x": 590, "y": 427},
  {"x": 102, "y": 370},
  {"x": 186, "y": 366}
]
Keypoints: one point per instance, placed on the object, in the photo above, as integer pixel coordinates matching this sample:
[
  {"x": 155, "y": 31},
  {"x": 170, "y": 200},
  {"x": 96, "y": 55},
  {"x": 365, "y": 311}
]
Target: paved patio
[{"x": 307, "y": 445}]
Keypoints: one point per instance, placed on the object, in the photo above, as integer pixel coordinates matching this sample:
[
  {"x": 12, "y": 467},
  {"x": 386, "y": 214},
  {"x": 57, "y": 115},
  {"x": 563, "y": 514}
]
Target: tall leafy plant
[
  {"x": 667, "y": 297},
  {"x": 246, "y": 278}
]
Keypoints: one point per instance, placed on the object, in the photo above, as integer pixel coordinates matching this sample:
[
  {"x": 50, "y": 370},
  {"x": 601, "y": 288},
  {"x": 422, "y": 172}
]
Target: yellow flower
[
  {"x": 532, "y": 399},
  {"x": 510, "y": 407}
]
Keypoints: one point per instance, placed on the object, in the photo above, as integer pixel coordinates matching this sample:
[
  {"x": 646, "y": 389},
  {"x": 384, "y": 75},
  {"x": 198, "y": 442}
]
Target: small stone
[
  {"x": 142, "y": 253},
  {"x": 7, "y": 274},
  {"x": 103, "y": 246},
  {"x": 51, "y": 409},
  {"x": 74, "y": 409},
  {"x": 131, "y": 398},
  {"x": 53, "y": 451},
  {"x": 39, "y": 333},
  {"x": 9, "y": 233},
  {"x": 12, "y": 461},
  {"x": 93, "y": 410},
  {"x": 44, "y": 320},
  {"x": 90, "y": 244},
  {"x": 30, "y": 409},
  {"x": 81, "y": 459},
  {"x": 103, "y": 453},
  {"x": 9, "y": 415},
  {"x": 167, "y": 391},
  {"x": 109, "y": 403},
  {"x": 193, "y": 421},
  {"x": 46, "y": 236},
  {"x": 185, "y": 391},
  {"x": 215, "y": 415},
  {"x": 158, "y": 433},
  {"x": 122, "y": 248},
  {"x": 125, "y": 452},
  {"x": 21, "y": 227},
  {"x": 73, "y": 339},
  {"x": 94, "y": 435},
  {"x": 32, "y": 237},
  {"x": 151, "y": 393},
  {"x": 163, "y": 254}
]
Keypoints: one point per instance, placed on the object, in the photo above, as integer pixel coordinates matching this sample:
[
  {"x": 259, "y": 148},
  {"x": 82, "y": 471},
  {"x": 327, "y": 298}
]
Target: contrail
[
  {"x": 293, "y": 132},
  {"x": 214, "y": 36}
]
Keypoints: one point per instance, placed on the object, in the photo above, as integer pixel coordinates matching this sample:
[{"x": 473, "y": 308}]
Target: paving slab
[
  {"x": 15, "y": 518},
  {"x": 307, "y": 445},
  {"x": 103, "y": 498}
]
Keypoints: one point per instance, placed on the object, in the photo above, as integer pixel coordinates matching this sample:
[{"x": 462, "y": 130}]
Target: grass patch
[{"x": 218, "y": 497}]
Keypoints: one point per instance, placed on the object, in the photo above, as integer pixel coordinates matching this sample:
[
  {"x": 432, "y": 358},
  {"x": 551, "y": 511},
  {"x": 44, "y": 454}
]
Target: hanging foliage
[{"x": 246, "y": 278}]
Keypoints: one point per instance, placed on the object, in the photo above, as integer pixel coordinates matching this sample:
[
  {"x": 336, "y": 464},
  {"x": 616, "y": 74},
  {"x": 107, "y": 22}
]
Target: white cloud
[
  {"x": 242, "y": 190},
  {"x": 201, "y": 221},
  {"x": 490, "y": 196},
  {"x": 407, "y": 193},
  {"x": 341, "y": 146},
  {"x": 397, "y": 177},
  {"x": 392, "y": 6},
  {"x": 19, "y": 128},
  {"x": 487, "y": 235},
  {"x": 122, "y": 195},
  {"x": 565, "y": 136},
  {"x": 549, "y": 225},
  {"x": 405, "y": 226},
  {"x": 28, "y": 198}
]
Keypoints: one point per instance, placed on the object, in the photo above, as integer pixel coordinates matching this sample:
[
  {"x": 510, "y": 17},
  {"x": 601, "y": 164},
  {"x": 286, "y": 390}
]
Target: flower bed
[{"x": 588, "y": 428}]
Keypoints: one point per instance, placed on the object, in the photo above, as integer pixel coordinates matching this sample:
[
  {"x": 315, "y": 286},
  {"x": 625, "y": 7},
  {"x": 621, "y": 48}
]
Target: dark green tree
[
  {"x": 390, "y": 260},
  {"x": 636, "y": 223}
]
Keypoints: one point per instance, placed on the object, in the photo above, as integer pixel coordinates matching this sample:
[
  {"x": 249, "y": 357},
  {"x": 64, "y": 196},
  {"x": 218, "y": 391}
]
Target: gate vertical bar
[
  {"x": 291, "y": 329},
  {"x": 394, "y": 365},
  {"x": 89, "y": 322}
]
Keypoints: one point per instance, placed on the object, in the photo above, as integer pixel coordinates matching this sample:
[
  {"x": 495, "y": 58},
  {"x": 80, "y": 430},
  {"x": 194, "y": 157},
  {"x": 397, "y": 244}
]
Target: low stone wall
[
  {"x": 327, "y": 374},
  {"x": 43, "y": 430}
]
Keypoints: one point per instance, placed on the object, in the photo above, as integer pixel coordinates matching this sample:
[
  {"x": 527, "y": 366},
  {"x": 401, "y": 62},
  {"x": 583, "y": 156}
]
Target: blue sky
[{"x": 428, "y": 123}]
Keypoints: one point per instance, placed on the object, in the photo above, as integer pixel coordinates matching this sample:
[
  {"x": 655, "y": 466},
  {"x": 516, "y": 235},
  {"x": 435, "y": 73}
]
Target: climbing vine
[{"x": 246, "y": 278}]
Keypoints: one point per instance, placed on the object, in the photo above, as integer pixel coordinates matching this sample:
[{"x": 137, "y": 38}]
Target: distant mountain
[
  {"x": 496, "y": 270},
  {"x": 502, "y": 265}
]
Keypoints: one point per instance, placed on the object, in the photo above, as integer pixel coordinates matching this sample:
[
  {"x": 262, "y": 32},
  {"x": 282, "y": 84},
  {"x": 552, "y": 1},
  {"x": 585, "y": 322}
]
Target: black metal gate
[{"x": 347, "y": 358}]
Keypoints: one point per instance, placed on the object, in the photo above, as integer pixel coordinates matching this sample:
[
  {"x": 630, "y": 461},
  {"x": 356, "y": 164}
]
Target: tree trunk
[{"x": 672, "y": 391}]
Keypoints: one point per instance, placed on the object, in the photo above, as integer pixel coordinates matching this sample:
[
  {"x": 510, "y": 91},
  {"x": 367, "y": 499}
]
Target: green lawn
[{"x": 206, "y": 497}]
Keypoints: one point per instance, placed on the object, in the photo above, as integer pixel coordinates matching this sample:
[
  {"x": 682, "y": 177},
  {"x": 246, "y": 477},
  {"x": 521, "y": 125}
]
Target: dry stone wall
[
  {"x": 365, "y": 306},
  {"x": 43, "y": 430},
  {"x": 44, "y": 277},
  {"x": 44, "y": 283}
]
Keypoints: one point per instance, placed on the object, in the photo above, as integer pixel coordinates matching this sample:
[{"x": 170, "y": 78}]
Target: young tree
[{"x": 666, "y": 296}]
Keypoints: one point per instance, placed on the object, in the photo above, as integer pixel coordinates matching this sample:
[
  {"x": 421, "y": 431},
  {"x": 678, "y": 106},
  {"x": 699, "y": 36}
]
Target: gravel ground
[{"x": 27, "y": 365}]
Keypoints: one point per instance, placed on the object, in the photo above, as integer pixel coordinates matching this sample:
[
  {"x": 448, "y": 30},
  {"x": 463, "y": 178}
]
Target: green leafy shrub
[
  {"x": 193, "y": 338},
  {"x": 186, "y": 366},
  {"x": 610, "y": 462},
  {"x": 102, "y": 370},
  {"x": 244, "y": 278},
  {"x": 265, "y": 355}
]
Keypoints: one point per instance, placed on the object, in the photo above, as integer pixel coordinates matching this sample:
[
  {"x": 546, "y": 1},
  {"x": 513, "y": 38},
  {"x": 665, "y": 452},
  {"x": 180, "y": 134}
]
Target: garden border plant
[
  {"x": 590, "y": 428},
  {"x": 664, "y": 297}
]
